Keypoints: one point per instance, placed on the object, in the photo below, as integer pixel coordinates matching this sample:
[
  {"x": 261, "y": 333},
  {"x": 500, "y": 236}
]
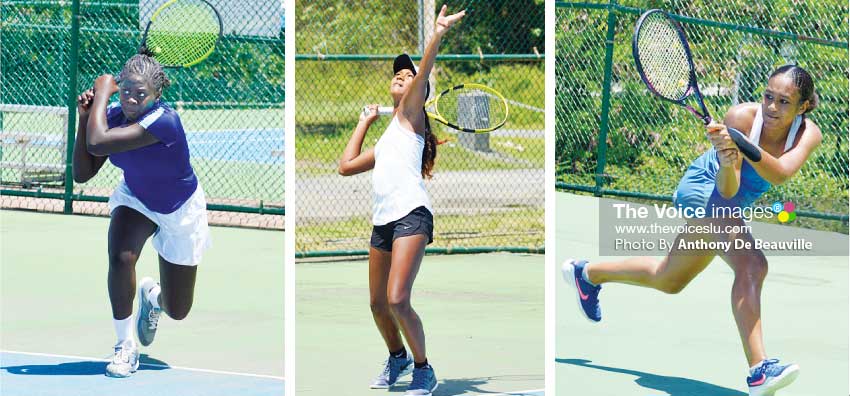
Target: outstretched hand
[{"x": 445, "y": 22}]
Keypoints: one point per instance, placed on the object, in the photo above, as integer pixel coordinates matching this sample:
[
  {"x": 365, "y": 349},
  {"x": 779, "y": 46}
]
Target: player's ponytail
[{"x": 429, "y": 152}]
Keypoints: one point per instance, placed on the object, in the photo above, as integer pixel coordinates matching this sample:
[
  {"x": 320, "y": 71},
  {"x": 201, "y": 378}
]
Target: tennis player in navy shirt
[{"x": 159, "y": 196}]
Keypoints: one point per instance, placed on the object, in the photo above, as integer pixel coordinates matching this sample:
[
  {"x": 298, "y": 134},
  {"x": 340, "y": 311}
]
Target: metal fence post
[
  {"x": 602, "y": 146},
  {"x": 72, "y": 106}
]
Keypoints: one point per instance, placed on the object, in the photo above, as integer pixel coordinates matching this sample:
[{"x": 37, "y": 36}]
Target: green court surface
[
  {"x": 483, "y": 317},
  {"x": 651, "y": 343},
  {"x": 57, "y": 324}
]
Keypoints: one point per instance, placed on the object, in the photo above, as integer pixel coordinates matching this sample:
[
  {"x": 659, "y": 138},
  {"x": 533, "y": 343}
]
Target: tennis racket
[
  {"x": 472, "y": 108},
  {"x": 182, "y": 33},
  {"x": 665, "y": 64}
]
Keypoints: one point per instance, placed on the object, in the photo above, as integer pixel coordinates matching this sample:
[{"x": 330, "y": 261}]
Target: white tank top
[
  {"x": 397, "y": 183},
  {"x": 758, "y": 122}
]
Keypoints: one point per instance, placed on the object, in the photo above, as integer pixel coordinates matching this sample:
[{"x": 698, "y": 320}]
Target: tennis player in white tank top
[{"x": 402, "y": 216}]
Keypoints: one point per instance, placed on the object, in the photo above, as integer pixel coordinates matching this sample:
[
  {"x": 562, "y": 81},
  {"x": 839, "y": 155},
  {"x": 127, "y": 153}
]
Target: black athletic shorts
[{"x": 418, "y": 221}]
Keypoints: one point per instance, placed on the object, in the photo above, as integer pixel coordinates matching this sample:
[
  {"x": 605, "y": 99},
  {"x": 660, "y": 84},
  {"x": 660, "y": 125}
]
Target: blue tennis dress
[{"x": 697, "y": 189}]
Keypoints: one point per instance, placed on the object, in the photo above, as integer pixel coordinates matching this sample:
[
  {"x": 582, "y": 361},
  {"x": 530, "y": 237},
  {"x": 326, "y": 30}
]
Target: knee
[
  {"x": 754, "y": 269},
  {"x": 122, "y": 259},
  {"x": 399, "y": 303},
  {"x": 378, "y": 305},
  {"x": 177, "y": 310},
  {"x": 672, "y": 286},
  {"x": 180, "y": 313}
]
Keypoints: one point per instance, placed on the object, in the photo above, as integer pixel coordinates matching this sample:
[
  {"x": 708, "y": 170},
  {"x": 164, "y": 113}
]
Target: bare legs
[
  {"x": 674, "y": 272},
  {"x": 128, "y": 231},
  {"x": 391, "y": 276}
]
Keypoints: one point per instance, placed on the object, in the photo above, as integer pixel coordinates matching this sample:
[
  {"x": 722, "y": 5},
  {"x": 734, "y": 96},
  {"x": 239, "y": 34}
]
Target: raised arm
[
  {"x": 100, "y": 140},
  {"x": 353, "y": 161},
  {"x": 85, "y": 166},
  {"x": 412, "y": 102}
]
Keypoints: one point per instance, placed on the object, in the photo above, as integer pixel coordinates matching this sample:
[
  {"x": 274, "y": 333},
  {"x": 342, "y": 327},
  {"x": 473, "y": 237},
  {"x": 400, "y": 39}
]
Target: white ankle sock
[
  {"x": 153, "y": 296},
  {"x": 753, "y": 369},
  {"x": 124, "y": 329}
]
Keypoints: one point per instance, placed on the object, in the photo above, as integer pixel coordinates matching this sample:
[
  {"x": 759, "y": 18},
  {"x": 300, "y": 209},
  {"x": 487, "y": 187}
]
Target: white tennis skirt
[{"x": 181, "y": 236}]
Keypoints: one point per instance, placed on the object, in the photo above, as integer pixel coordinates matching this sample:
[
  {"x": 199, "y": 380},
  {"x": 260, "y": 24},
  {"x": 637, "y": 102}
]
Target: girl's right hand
[
  {"x": 371, "y": 116},
  {"x": 84, "y": 102}
]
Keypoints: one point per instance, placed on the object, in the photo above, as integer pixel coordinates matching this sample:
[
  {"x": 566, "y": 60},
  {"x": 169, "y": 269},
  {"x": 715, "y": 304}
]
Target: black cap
[{"x": 402, "y": 62}]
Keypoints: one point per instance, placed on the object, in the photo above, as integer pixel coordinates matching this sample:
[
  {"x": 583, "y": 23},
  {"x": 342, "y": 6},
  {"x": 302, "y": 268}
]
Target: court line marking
[
  {"x": 199, "y": 370},
  {"x": 520, "y": 392}
]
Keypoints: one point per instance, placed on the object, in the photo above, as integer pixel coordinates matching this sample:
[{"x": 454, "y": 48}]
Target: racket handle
[
  {"x": 748, "y": 148},
  {"x": 382, "y": 110}
]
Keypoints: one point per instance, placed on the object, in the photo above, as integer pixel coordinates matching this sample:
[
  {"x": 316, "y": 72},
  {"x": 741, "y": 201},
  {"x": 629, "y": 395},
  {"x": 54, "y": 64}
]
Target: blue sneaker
[
  {"x": 394, "y": 368},
  {"x": 424, "y": 382},
  {"x": 771, "y": 376},
  {"x": 587, "y": 294}
]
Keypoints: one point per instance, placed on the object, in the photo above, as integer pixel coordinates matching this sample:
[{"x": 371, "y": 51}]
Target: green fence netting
[
  {"x": 487, "y": 194},
  {"x": 231, "y": 105},
  {"x": 614, "y": 138}
]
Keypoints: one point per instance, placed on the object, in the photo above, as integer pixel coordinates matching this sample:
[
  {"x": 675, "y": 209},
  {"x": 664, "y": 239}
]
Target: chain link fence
[
  {"x": 614, "y": 138},
  {"x": 487, "y": 190},
  {"x": 231, "y": 105}
]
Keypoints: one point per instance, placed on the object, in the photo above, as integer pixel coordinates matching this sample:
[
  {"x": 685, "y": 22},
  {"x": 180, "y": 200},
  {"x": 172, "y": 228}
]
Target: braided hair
[
  {"x": 148, "y": 68},
  {"x": 803, "y": 81}
]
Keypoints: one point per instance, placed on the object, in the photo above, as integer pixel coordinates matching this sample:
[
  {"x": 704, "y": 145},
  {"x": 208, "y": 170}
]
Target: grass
[
  {"x": 520, "y": 226},
  {"x": 318, "y": 153}
]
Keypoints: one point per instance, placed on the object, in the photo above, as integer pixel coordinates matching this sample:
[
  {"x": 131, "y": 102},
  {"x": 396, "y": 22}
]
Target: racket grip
[
  {"x": 382, "y": 110},
  {"x": 747, "y": 148}
]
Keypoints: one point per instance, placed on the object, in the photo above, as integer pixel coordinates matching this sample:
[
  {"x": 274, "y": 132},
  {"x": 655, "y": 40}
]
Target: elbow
[
  {"x": 79, "y": 177},
  {"x": 344, "y": 170},
  {"x": 779, "y": 179},
  {"x": 96, "y": 149}
]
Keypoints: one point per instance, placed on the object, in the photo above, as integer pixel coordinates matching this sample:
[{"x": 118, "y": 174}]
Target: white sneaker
[{"x": 125, "y": 360}]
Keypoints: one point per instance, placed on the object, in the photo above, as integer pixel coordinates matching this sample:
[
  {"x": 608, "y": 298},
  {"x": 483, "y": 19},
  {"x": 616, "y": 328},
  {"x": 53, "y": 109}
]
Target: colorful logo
[{"x": 785, "y": 212}]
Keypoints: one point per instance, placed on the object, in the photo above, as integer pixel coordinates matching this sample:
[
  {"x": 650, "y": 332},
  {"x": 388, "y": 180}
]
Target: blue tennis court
[
  {"x": 49, "y": 375},
  {"x": 262, "y": 146}
]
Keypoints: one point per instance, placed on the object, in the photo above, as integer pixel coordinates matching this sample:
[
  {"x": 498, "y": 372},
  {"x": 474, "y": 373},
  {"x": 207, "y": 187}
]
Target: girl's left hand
[
  {"x": 719, "y": 137},
  {"x": 106, "y": 83},
  {"x": 727, "y": 158},
  {"x": 445, "y": 22}
]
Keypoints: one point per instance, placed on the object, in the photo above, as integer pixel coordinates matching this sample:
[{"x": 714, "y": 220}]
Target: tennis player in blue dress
[
  {"x": 723, "y": 178},
  {"x": 159, "y": 196}
]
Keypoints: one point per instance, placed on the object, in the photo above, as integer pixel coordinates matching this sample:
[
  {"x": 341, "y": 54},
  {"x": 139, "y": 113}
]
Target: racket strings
[
  {"x": 183, "y": 33},
  {"x": 471, "y": 108},
  {"x": 663, "y": 57}
]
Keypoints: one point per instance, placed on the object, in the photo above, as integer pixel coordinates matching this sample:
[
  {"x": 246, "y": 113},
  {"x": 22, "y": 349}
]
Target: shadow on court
[
  {"x": 80, "y": 368},
  {"x": 674, "y": 386},
  {"x": 473, "y": 386}
]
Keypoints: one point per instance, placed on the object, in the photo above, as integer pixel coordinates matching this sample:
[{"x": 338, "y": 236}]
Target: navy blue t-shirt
[{"x": 160, "y": 174}]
